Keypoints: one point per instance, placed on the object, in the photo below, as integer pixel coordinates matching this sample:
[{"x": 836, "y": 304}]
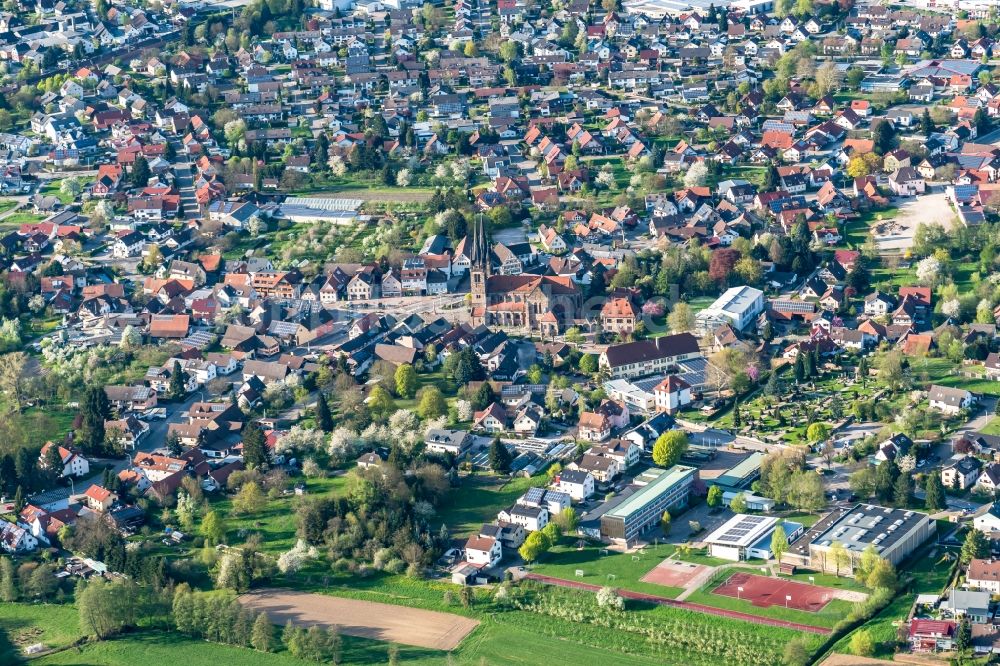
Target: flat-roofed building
[
  {"x": 894, "y": 533},
  {"x": 742, "y": 474},
  {"x": 743, "y": 537},
  {"x": 661, "y": 490},
  {"x": 738, "y": 307}
]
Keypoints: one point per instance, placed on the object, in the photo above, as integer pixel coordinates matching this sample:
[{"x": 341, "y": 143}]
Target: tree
[
  {"x": 827, "y": 78},
  {"x": 431, "y": 403},
  {"x": 262, "y": 636},
  {"x": 739, "y": 503},
  {"x": 96, "y": 410},
  {"x": 884, "y": 136},
  {"x": 406, "y": 381},
  {"x": 796, "y": 653},
  {"x": 534, "y": 546},
  {"x": 255, "y": 451},
  {"x": 963, "y": 635},
  {"x": 934, "y": 499},
  {"x": 249, "y": 500},
  {"x": 862, "y": 644},
  {"x": 779, "y": 542},
  {"x": 975, "y": 547},
  {"x": 380, "y": 402},
  {"x": 714, "y": 496},
  {"x": 882, "y": 576},
  {"x": 818, "y": 432},
  {"x": 140, "y": 171},
  {"x": 926, "y": 124},
  {"x": 665, "y": 520},
  {"x": 806, "y": 491},
  {"x": 213, "y": 529},
  {"x": 323, "y": 417},
  {"x": 71, "y": 187},
  {"x": 866, "y": 564},
  {"x": 902, "y": 493},
  {"x": 567, "y": 520},
  {"x": 681, "y": 318},
  {"x": 669, "y": 448},
  {"x": 588, "y": 364},
  {"x": 885, "y": 480},
  {"x": 500, "y": 458},
  {"x": 696, "y": 175},
  {"x": 839, "y": 556},
  {"x": 12, "y": 376},
  {"x": 52, "y": 462},
  {"x": 177, "y": 382}
]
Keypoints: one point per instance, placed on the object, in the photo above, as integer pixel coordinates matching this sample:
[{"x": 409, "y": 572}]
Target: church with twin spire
[{"x": 519, "y": 304}]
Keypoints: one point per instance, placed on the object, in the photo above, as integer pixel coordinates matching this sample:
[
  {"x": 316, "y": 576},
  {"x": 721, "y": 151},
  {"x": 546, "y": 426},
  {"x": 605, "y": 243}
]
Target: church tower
[{"x": 479, "y": 259}]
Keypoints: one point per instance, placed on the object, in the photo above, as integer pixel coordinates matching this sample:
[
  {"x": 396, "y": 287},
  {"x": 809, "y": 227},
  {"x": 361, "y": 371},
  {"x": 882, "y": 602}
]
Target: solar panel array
[
  {"x": 747, "y": 525},
  {"x": 534, "y": 495}
]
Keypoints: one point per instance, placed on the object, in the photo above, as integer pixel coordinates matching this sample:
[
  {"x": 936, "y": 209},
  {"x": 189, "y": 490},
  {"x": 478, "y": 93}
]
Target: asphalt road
[{"x": 176, "y": 413}]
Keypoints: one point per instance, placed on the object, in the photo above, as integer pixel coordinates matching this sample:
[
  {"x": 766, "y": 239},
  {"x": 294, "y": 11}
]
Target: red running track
[{"x": 686, "y": 605}]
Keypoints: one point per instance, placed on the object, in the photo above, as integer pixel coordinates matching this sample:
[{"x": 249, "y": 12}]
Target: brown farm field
[{"x": 366, "y": 619}]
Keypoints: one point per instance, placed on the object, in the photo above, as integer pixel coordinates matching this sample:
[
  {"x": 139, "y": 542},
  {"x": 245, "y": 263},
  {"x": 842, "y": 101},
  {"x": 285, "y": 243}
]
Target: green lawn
[
  {"x": 827, "y": 580},
  {"x": 6, "y": 205},
  {"x": 162, "y": 648},
  {"x": 614, "y": 569},
  {"x": 276, "y": 523},
  {"x": 993, "y": 427},
  {"x": 947, "y": 373},
  {"x": 52, "y": 189},
  {"x": 33, "y": 426},
  {"x": 856, "y": 230},
  {"x": 882, "y": 628},
  {"x": 26, "y": 624},
  {"x": 23, "y": 217},
  {"x": 478, "y": 500}
]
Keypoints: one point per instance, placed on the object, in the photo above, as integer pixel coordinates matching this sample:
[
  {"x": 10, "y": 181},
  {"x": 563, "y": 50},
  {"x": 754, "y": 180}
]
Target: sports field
[
  {"x": 765, "y": 592},
  {"x": 673, "y": 573}
]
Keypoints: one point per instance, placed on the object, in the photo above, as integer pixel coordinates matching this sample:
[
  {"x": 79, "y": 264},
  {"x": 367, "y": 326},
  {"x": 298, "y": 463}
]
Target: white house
[
  {"x": 16, "y": 539},
  {"x": 949, "y": 400},
  {"x": 531, "y": 518},
  {"x": 988, "y": 522},
  {"x": 671, "y": 394},
  {"x": 962, "y": 472},
  {"x": 74, "y": 464},
  {"x": 984, "y": 575},
  {"x": 577, "y": 483},
  {"x": 483, "y": 551}
]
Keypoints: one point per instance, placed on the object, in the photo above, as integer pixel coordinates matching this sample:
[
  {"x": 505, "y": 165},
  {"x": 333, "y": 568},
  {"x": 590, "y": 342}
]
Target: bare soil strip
[{"x": 366, "y": 619}]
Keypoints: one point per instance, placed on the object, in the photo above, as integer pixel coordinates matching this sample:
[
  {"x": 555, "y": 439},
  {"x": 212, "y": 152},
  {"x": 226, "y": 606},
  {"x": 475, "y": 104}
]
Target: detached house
[
  {"x": 73, "y": 462},
  {"x": 949, "y": 400}
]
